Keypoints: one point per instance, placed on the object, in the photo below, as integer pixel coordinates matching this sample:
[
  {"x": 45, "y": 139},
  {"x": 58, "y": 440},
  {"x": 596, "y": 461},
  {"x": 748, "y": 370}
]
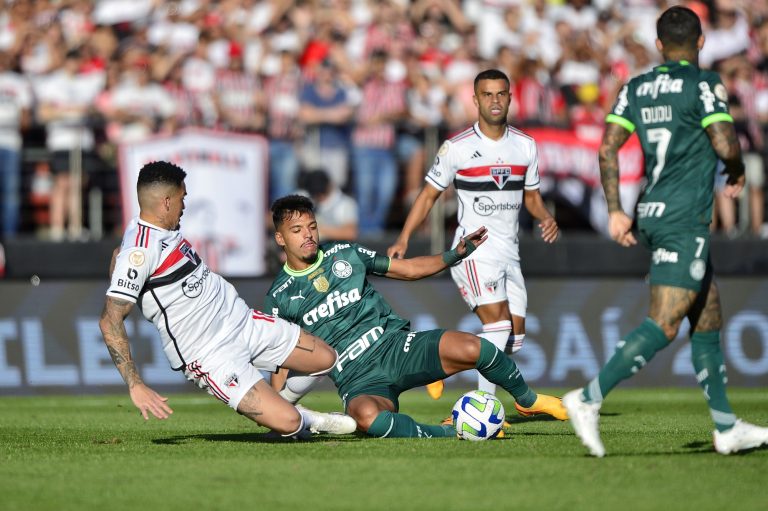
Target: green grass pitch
[{"x": 96, "y": 453}]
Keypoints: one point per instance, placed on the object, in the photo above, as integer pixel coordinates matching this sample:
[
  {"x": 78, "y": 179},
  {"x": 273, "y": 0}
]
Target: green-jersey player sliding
[
  {"x": 680, "y": 114},
  {"x": 325, "y": 290}
]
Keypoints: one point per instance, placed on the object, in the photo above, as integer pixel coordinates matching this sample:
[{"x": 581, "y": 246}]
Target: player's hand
[
  {"x": 549, "y": 230},
  {"x": 733, "y": 189},
  {"x": 477, "y": 238},
  {"x": 620, "y": 229},
  {"x": 397, "y": 250},
  {"x": 149, "y": 401}
]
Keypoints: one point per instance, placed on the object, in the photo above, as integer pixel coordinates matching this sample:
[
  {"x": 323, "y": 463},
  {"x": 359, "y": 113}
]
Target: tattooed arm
[
  {"x": 112, "y": 325},
  {"x": 724, "y": 141},
  {"x": 619, "y": 224}
]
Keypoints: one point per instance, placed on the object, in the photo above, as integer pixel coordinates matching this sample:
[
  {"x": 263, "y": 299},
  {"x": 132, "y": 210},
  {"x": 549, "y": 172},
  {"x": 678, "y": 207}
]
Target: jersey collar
[
  {"x": 293, "y": 273},
  {"x": 490, "y": 140},
  {"x": 147, "y": 224},
  {"x": 672, "y": 63}
]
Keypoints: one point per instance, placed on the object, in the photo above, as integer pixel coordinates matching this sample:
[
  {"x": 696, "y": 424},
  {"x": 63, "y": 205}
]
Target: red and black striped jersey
[
  {"x": 193, "y": 308},
  {"x": 489, "y": 177}
]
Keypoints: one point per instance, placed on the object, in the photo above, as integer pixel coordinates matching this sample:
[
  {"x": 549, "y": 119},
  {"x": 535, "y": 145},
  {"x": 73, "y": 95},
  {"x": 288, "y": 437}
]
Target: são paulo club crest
[{"x": 501, "y": 175}]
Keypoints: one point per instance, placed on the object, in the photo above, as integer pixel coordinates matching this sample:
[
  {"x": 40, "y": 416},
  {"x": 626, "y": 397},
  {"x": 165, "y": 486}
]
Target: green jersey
[
  {"x": 333, "y": 300},
  {"x": 670, "y": 107}
]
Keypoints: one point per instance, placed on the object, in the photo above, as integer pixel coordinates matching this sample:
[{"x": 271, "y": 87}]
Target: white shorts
[
  {"x": 230, "y": 370},
  {"x": 482, "y": 282}
]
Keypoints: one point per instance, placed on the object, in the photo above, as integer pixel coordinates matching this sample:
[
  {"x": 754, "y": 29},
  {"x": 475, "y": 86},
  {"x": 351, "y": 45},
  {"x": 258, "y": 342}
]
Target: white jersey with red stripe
[
  {"x": 489, "y": 177},
  {"x": 194, "y": 309}
]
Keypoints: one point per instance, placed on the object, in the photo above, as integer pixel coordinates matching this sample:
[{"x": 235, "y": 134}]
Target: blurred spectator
[
  {"x": 579, "y": 14},
  {"x": 335, "y": 211},
  {"x": 426, "y": 105},
  {"x": 237, "y": 96},
  {"x": 199, "y": 76},
  {"x": 66, "y": 98},
  {"x": 587, "y": 117},
  {"x": 727, "y": 36},
  {"x": 186, "y": 111},
  {"x": 382, "y": 106},
  {"x": 753, "y": 195},
  {"x": 579, "y": 64},
  {"x": 326, "y": 112},
  {"x": 170, "y": 29},
  {"x": 140, "y": 105},
  {"x": 283, "y": 129},
  {"x": 15, "y": 105}
]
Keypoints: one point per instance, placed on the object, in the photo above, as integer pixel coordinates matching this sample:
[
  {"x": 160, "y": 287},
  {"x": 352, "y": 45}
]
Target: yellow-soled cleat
[
  {"x": 547, "y": 405},
  {"x": 435, "y": 389}
]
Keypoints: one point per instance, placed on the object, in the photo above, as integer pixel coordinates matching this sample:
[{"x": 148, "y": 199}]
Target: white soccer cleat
[
  {"x": 584, "y": 418},
  {"x": 740, "y": 437},
  {"x": 333, "y": 423}
]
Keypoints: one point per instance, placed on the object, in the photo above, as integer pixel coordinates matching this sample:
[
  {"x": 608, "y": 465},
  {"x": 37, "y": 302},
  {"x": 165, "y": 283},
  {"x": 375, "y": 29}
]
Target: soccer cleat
[
  {"x": 546, "y": 405},
  {"x": 740, "y": 437},
  {"x": 333, "y": 423},
  {"x": 584, "y": 419},
  {"x": 435, "y": 389}
]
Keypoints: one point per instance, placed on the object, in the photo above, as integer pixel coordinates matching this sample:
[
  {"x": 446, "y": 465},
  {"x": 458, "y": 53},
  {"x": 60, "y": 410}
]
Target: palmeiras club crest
[{"x": 501, "y": 175}]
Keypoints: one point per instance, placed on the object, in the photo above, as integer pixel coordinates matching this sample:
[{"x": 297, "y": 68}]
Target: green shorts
[
  {"x": 404, "y": 361},
  {"x": 679, "y": 256}
]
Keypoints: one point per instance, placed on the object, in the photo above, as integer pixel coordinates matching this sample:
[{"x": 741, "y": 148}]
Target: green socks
[
  {"x": 710, "y": 373},
  {"x": 397, "y": 425},
  {"x": 632, "y": 353},
  {"x": 498, "y": 368}
]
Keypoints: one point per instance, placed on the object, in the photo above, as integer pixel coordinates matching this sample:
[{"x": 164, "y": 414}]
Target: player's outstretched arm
[
  {"x": 724, "y": 141},
  {"x": 419, "y": 211},
  {"x": 112, "y": 325},
  {"x": 535, "y": 206},
  {"x": 619, "y": 224},
  {"x": 416, "y": 268}
]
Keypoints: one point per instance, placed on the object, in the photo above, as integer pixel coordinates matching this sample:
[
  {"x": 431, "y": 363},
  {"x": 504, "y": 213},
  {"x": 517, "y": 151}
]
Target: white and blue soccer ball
[{"x": 478, "y": 415}]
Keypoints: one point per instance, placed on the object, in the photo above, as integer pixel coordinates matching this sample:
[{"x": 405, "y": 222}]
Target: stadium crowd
[{"x": 359, "y": 89}]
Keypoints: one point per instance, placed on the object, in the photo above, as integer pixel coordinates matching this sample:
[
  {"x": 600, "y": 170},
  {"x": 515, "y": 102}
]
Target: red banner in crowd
[{"x": 564, "y": 154}]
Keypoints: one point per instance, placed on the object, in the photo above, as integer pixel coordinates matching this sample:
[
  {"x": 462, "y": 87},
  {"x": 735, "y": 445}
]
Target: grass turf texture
[{"x": 96, "y": 453}]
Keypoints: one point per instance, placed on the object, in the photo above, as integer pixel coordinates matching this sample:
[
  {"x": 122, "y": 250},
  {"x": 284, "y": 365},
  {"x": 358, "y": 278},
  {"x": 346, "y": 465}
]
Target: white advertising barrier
[
  {"x": 50, "y": 339},
  {"x": 227, "y": 187}
]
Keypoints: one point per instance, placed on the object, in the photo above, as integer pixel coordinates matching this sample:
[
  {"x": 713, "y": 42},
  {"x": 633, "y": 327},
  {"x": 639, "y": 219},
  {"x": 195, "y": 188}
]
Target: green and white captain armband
[{"x": 452, "y": 256}]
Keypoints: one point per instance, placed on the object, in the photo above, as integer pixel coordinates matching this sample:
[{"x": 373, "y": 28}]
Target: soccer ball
[{"x": 478, "y": 415}]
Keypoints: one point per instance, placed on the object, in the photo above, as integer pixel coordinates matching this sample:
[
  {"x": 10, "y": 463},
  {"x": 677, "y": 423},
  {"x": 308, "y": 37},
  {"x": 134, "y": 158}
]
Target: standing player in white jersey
[
  {"x": 494, "y": 168},
  {"x": 206, "y": 329}
]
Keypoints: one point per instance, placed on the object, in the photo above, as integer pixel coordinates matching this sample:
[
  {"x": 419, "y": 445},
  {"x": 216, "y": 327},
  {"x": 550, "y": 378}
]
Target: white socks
[
  {"x": 496, "y": 333},
  {"x": 298, "y": 385}
]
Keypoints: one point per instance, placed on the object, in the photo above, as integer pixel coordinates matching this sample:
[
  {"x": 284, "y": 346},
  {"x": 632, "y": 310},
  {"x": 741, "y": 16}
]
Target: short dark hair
[
  {"x": 678, "y": 27},
  {"x": 491, "y": 74},
  {"x": 160, "y": 173},
  {"x": 285, "y": 207}
]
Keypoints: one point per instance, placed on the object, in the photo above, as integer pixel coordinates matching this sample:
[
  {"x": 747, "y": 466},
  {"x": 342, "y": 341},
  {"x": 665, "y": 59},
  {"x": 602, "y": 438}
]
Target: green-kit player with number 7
[{"x": 680, "y": 113}]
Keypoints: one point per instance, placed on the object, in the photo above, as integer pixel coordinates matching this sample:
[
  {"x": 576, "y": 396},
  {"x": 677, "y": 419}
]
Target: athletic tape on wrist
[{"x": 452, "y": 256}]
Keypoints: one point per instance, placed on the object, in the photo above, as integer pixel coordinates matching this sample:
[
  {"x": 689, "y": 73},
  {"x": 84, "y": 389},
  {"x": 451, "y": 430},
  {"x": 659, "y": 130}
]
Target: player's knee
[
  {"x": 469, "y": 348},
  {"x": 288, "y": 421},
  {"x": 669, "y": 329},
  {"x": 364, "y": 414}
]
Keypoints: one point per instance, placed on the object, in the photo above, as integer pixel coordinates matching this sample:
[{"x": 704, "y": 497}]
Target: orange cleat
[
  {"x": 546, "y": 405},
  {"x": 435, "y": 389}
]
